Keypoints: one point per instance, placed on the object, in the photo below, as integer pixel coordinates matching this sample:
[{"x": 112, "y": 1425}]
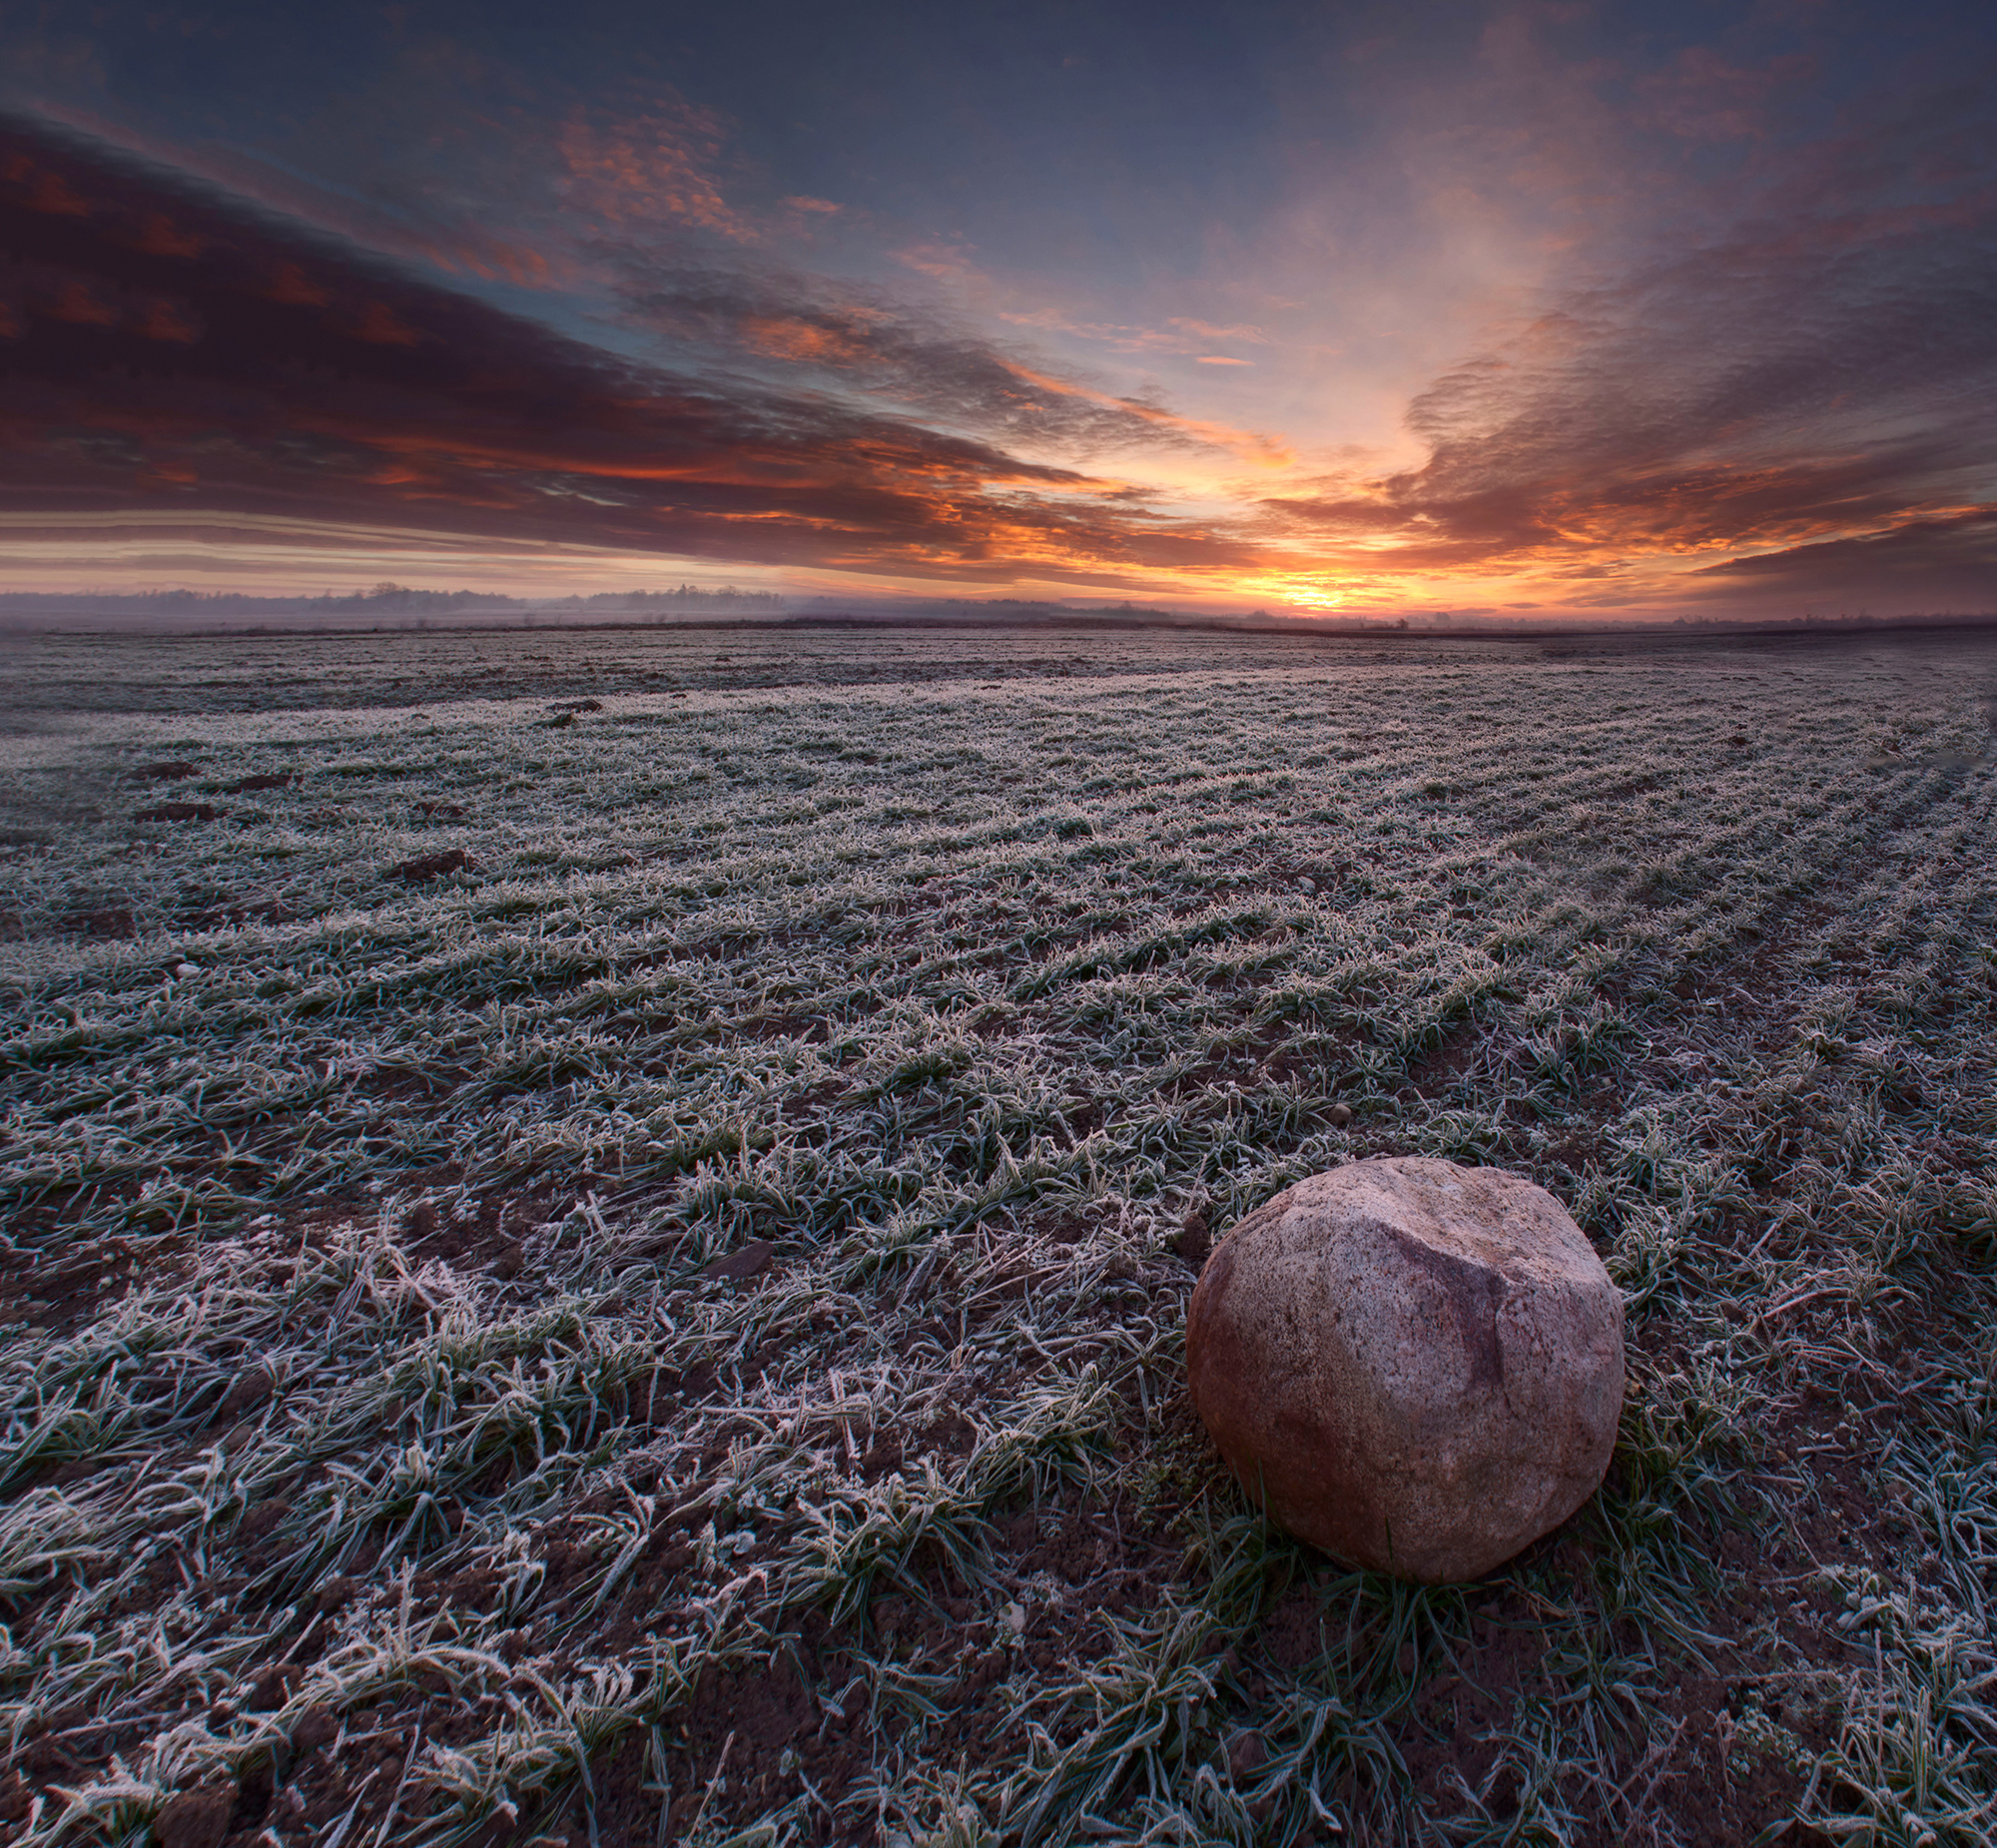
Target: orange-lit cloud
[
  {"x": 945, "y": 262},
  {"x": 656, "y": 168},
  {"x": 161, "y": 237},
  {"x": 1206, "y": 331},
  {"x": 378, "y": 324},
  {"x": 290, "y": 284},
  {"x": 165, "y": 319},
  {"x": 78, "y": 302}
]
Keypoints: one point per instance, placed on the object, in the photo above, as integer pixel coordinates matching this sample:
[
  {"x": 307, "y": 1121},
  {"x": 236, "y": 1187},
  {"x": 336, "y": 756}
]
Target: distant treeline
[
  {"x": 729, "y": 605},
  {"x": 382, "y": 599},
  {"x": 686, "y": 597}
]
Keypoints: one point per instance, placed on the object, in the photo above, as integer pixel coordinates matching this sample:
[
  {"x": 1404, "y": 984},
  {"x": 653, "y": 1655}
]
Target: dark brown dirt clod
[
  {"x": 272, "y": 1689},
  {"x": 751, "y": 1261},
  {"x": 180, "y": 812},
  {"x": 110, "y": 921},
  {"x": 316, "y": 1726},
  {"x": 196, "y": 1818},
  {"x": 1193, "y": 1241},
  {"x": 428, "y": 867},
  {"x": 1246, "y": 1754},
  {"x": 244, "y": 1394}
]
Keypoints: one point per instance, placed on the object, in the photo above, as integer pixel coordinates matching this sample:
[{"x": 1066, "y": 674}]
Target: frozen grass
[{"x": 670, "y": 1327}]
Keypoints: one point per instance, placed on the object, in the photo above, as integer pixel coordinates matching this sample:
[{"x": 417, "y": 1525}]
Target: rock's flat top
[{"x": 1414, "y": 1365}]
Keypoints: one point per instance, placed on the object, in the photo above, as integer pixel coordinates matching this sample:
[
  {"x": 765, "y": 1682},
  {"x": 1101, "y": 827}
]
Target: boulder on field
[{"x": 1415, "y": 1366}]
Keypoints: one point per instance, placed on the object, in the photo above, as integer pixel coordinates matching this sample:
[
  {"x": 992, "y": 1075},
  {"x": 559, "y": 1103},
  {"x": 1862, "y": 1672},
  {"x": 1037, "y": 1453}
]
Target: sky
[{"x": 1554, "y": 310}]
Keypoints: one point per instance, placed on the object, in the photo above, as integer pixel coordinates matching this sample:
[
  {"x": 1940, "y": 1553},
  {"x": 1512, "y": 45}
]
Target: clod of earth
[
  {"x": 428, "y": 867},
  {"x": 196, "y": 1818},
  {"x": 180, "y": 812},
  {"x": 751, "y": 1261},
  {"x": 1194, "y": 1241},
  {"x": 110, "y": 921},
  {"x": 1415, "y": 1366}
]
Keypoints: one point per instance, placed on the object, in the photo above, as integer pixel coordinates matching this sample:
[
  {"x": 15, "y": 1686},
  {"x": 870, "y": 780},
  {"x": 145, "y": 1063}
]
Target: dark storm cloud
[
  {"x": 165, "y": 344},
  {"x": 1925, "y": 559},
  {"x": 1825, "y": 369}
]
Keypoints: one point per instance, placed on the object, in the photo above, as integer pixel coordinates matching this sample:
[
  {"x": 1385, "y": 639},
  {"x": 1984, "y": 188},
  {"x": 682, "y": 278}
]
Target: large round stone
[{"x": 1416, "y": 1366}]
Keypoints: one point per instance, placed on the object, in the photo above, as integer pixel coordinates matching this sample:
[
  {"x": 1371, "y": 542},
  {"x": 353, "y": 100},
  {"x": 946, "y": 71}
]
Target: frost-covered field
[{"x": 597, "y": 1234}]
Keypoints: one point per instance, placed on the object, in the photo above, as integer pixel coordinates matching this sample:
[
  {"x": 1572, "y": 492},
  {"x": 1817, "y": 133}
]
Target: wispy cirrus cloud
[
  {"x": 869, "y": 343},
  {"x": 1703, "y": 96},
  {"x": 1176, "y": 334}
]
